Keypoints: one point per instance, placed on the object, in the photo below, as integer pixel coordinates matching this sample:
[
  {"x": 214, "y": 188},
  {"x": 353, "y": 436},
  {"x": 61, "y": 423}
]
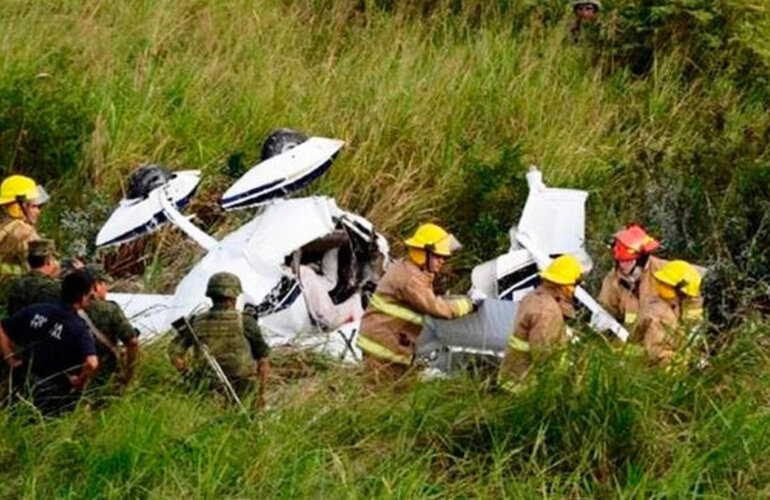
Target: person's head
[
  {"x": 586, "y": 9},
  {"x": 22, "y": 198},
  {"x": 677, "y": 280},
  {"x": 430, "y": 246},
  {"x": 223, "y": 288},
  {"x": 100, "y": 280},
  {"x": 631, "y": 248},
  {"x": 41, "y": 256},
  {"x": 76, "y": 289},
  {"x": 564, "y": 273}
]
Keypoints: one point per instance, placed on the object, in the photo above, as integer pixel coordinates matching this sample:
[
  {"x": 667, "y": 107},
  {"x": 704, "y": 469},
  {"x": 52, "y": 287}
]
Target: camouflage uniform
[
  {"x": 232, "y": 338},
  {"x": 109, "y": 318},
  {"x": 34, "y": 287}
]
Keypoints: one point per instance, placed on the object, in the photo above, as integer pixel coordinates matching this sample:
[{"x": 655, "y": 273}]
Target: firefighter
[
  {"x": 539, "y": 327},
  {"x": 394, "y": 316},
  {"x": 662, "y": 316},
  {"x": 22, "y": 198},
  {"x": 630, "y": 282}
]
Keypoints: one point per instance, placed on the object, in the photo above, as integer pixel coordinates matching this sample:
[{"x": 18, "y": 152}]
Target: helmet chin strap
[
  {"x": 428, "y": 253},
  {"x": 22, "y": 202}
]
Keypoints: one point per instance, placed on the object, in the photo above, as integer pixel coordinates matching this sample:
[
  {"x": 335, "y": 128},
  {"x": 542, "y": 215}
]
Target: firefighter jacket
[
  {"x": 538, "y": 329},
  {"x": 394, "y": 317},
  {"x": 659, "y": 329},
  {"x": 15, "y": 234},
  {"x": 621, "y": 297}
]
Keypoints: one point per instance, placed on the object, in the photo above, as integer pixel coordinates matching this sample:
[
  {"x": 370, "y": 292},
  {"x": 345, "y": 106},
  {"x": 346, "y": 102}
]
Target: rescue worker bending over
[
  {"x": 539, "y": 327},
  {"x": 111, "y": 327},
  {"x": 41, "y": 283},
  {"x": 232, "y": 338},
  {"x": 676, "y": 284},
  {"x": 631, "y": 281},
  {"x": 50, "y": 349},
  {"x": 22, "y": 198},
  {"x": 394, "y": 316}
]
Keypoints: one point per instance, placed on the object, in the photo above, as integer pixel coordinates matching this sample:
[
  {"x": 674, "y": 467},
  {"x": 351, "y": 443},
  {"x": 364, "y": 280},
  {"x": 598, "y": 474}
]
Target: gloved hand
[{"x": 477, "y": 298}]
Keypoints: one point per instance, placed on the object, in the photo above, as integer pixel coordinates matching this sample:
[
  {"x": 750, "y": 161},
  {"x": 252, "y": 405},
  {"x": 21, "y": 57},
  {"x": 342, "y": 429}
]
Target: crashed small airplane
[
  {"x": 303, "y": 262},
  {"x": 306, "y": 265}
]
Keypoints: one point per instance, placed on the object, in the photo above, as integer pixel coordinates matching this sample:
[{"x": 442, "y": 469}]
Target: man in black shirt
[{"x": 49, "y": 347}]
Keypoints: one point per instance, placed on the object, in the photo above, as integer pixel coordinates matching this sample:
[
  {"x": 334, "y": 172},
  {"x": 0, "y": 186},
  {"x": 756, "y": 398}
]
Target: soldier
[
  {"x": 111, "y": 328},
  {"x": 394, "y": 317},
  {"x": 586, "y": 12},
  {"x": 630, "y": 282},
  {"x": 676, "y": 284},
  {"x": 22, "y": 198},
  {"x": 41, "y": 283},
  {"x": 539, "y": 327},
  {"x": 50, "y": 346},
  {"x": 232, "y": 338}
]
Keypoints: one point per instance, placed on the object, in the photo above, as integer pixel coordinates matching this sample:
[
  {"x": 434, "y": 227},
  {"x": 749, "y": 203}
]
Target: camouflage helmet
[
  {"x": 41, "y": 248},
  {"x": 225, "y": 285},
  {"x": 595, "y": 3},
  {"x": 97, "y": 273}
]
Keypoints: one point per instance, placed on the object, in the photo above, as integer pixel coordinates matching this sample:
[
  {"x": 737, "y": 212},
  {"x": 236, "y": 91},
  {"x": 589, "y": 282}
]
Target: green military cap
[
  {"x": 97, "y": 273},
  {"x": 225, "y": 285},
  {"x": 41, "y": 248}
]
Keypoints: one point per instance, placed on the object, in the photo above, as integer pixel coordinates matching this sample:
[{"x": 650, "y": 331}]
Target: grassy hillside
[{"x": 661, "y": 111}]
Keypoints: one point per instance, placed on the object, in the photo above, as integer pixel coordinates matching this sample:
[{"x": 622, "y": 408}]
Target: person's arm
[
  {"x": 259, "y": 348},
  {"x": 85, "y": 347},
  {"x": 128, "y": 337},
  {"x": 419, "y": 294},
  {"x": 177, "y": 350},
  {"x": 90, "y": 366},
  {"x": 132, "y": 353},
  {"x": 263, "y": 374},
  {"x": 544, "y": 334},
  {"x": 260, "y": 351},
  {"x": 609, "y": 297},
  {"x": 7, "y": 349}
]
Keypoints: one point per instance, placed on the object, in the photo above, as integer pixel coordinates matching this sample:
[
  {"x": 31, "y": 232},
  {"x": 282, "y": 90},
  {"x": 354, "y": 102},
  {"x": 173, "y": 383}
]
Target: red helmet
[{"x": 632, "y": 243}]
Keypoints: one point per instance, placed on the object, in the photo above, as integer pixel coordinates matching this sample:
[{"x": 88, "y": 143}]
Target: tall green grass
[
  {"x": 443, "y": 105},
  {"x": 606, "y": 425}
]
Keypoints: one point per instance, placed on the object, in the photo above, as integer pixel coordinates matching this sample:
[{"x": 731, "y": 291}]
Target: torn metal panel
[{"x": 485, "y": 331}]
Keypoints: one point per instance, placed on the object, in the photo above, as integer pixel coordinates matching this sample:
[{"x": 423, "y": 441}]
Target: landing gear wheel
[
  {"x": 144, "y": 179},
  {"x": 281, "y": 140}
]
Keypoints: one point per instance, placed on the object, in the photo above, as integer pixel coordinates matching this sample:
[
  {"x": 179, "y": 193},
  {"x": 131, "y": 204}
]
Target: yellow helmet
[
  {"x": 434, "y": 239},
  {"x": 680, "y": 275},
  {"x": 563, "y": 270},
  {"x": 20, "y": 188}
]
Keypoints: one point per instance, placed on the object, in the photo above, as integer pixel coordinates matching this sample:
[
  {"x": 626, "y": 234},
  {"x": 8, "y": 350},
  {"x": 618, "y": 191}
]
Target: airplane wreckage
[{"x": 306, "y": 265}]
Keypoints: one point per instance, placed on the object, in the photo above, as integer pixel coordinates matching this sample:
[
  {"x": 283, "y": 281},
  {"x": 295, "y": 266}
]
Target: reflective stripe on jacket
[
  {"x": 658, "y": 329},
  {"x": 622, "y": 300},
  {"x": 538, "y": 329},
  {"x": 394, "y": 317}
]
